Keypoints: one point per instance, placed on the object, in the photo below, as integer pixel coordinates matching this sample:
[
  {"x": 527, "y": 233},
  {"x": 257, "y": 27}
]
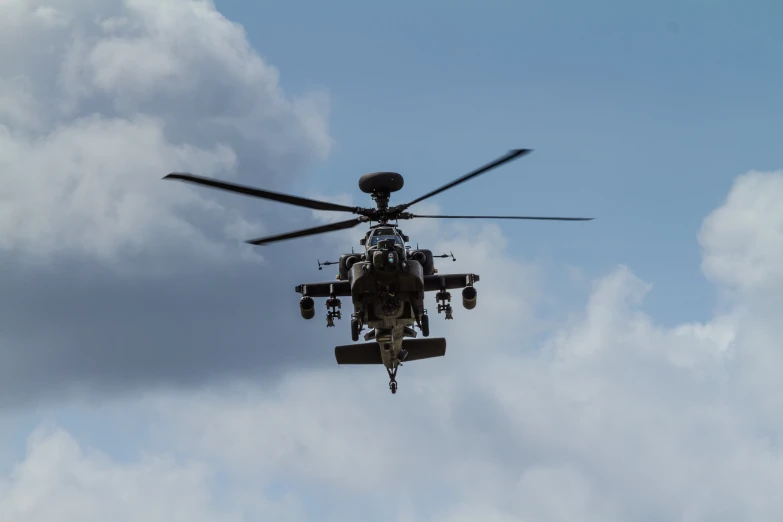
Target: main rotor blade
[
  {"x": 341, "y": 225},
  {"x": 505, "y": 217},
  {"x": 259, "y": 193},
  {"x": 489, "y": 166}
]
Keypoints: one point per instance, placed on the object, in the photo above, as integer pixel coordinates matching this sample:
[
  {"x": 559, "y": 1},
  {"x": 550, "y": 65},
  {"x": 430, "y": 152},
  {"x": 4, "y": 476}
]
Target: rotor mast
[{"x": 381, "y": 198}]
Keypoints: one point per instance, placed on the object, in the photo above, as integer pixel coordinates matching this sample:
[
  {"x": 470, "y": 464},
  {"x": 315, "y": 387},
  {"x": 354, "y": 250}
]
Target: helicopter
[{"x": 388, "y": 280}]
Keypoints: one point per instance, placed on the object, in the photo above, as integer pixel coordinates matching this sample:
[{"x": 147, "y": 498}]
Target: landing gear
[
  {"x": 444, "y": 303},
  {"x": 422, "y": 321},
  {"x": 424, "y": 325},
  {"x": 355, "y": 327},
  {"x": 392, "y": 379}
]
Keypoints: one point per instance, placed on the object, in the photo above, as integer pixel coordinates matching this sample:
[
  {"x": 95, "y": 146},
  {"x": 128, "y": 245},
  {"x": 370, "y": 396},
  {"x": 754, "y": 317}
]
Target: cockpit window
[{"x": 375, "y": 239}]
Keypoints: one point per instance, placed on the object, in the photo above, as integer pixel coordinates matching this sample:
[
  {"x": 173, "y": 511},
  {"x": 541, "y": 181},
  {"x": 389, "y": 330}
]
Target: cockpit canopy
[{"x": 380, "y": 234}]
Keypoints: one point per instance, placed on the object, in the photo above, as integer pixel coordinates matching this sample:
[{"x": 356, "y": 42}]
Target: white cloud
[
  {"x": 61, "y": 481},
  {"x": 620, "y": 433},
  {"x": 91, "y": 187},
  {"x": 326, "y": 216},
  {"x": 743, "y": 239},
  {"x": 99, "y": 100},
  {"x": 612, "y": 417},
  {"x": 607, "y": 422},
  {"x": 616, "y": 418}
]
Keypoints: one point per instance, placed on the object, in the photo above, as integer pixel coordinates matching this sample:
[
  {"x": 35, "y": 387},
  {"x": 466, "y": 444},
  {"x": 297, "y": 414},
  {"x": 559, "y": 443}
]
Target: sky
[{"x": 154, "y": 367}]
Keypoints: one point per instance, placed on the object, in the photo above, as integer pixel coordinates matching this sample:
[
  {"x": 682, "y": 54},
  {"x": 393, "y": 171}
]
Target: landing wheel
[
  {"x": 425, "y": 325},
  {"x": 355, "y": 329},
  {"x": 392, "y": 380}
]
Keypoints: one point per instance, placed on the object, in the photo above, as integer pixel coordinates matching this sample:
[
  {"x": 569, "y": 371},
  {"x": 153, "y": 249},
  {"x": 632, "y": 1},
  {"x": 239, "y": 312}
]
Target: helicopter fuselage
[
  {"x": 387, "y": 291},
  {"x": 387, "y": 285}
]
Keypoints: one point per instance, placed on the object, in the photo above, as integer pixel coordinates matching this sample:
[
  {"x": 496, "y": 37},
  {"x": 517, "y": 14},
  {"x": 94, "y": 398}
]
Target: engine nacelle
[
  {"x": 424, "y": 257},
  {"x": 419, "y": 256},
  {"x": 307, "y": 307},
  {"x": 350, "y": 261},
  {"x": 469, "y": 297},
  {"x": 345, "y": 263}
]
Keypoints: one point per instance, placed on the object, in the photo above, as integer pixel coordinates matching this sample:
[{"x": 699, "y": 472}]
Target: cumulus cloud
[
  {"x": 743, "y": 240},
  {"x": 86, "y": 189},
  {"x": 605, "y": 423},
  {"x": 98, "y": 100},
  {"x": 611, "y": 417},
  {"x": 606, "y": 415},
  {"x": 111, "y": 277},
  {"x": 60, "y": 480}
]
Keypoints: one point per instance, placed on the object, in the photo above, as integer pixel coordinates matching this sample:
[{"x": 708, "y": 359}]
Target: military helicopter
[{"x": 386, "y": 282}]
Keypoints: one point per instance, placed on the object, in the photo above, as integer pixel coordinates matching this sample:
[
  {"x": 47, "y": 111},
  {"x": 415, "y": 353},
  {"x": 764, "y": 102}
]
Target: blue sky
[
  {"x": 181, "y": 344},
  {"x": 640, "y": 115}
]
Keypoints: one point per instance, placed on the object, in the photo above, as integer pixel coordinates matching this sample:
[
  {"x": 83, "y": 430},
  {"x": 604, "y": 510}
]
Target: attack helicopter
[{"x": 388, "y": 280}]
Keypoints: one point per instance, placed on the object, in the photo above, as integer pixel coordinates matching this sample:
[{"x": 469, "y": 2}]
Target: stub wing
[
  {"x": 340, "y": 288},
  {"x": 436, "y": 282},
  {"x": 432, "y": 283}
]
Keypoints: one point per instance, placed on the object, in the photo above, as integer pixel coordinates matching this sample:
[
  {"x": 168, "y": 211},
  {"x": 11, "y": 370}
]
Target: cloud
[
  {"x": 112, "y": 278},
  {"x": 606, "y": 422},
  {"x": 87, "y": 190},
  {"x": 602, "y": 415},
  {"x": 611, "y": 417},
  {"x": 742, "y": 240},
  {"x": 99, "y": 100},
  {"x": 60, "y": 480}
]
